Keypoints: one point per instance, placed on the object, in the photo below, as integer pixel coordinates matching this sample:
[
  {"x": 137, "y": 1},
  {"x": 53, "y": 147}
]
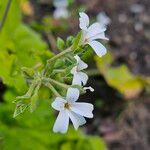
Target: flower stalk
[{"x": 63, "y": 85}]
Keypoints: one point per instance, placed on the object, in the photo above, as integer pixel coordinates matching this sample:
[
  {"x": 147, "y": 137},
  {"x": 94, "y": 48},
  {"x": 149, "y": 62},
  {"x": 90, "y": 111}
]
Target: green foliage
[
  {"x": 35, "y": 132},
  {"x": 77, "y": 41},
  {"x": 119, "y": 77},
  {"x": 22, "y": 47},
  {"x": 17, "y": 47},
  {"x": 60, "y": 44}
]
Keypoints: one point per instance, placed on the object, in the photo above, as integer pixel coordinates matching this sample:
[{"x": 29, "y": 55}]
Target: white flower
[
  {"x": 137, "y": 8},
  {"x": 91, "y": 33},
  {"x": 69, "y": 108},
  {"x": 103, "y": 19},
  {"x": 61, "y": 13},
  {"x": 61, "y": 9},
  {"x": 79, "y": 77},
  {"x": 60, "y": 3}
]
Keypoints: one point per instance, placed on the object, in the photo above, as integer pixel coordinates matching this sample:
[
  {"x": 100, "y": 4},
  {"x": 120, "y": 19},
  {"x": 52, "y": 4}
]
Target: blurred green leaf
[
  {"x": 20, "y": 108},
  {"x": 77, "y": 40},
  {"x": 60, "y": 44},
  {"x": 119, "y": 77},
  {"x": 34, "y": 99}
]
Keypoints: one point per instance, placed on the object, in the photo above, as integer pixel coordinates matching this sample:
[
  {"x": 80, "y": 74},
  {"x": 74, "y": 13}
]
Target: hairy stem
[
  {"x": 5, "y": 14},
  {"x": 68, "y": 50},
  {"x": 50, "y": 61},
  {"x": 53, "y": 89},
  {"x": 63, "y": 85}
]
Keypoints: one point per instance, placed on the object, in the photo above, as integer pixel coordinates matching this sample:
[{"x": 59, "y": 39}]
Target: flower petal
[
  {"x": 89, "y": 88},
  {"x": 94, "y": 30},
  {"x": 99, "y": 49},
  {"x": 74, "y": 70},
  {"x": 62, "y": 122},
  {"x": 80, "y": 64},
  {"x": 76, "y": 119},
  {"x": 72, "y": 94},
  {"x": 61, "y": 13},
  {"x": 84, "y": 21},
  {"x": 98, "y": 36},
  {"x": 76, "y": 79},
  {"x": 83, "y": 77},
  {"x": 58, "y": 103},
  {"x": 103, "y": 19},
  {"x": 83, "y": 109}
]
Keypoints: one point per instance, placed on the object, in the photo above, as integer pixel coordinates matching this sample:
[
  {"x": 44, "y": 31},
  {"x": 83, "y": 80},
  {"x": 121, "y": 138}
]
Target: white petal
[
  {"x": 83, "y": 77},
  {"x": 60, "y": 3},
  {"x": 58, "y": 103},
  {"x": 84, "y": 21},
  {"x": 74, "y": 70},
  {"x": 89, "y": 88},
  {"x": 72, "y": 94},
  {"x": 61, "y": 13},
  {"x": 98, "y": 36},
  {"x": 99, "y": 49},
  {"x": 94, "y": 30},
  {"x": 80, "y": 64},
  {"x": 62, "y": 122},
  {"x": 103, "y": 19},
  {"x": 76, "y": 79},
  {"x": 83, "y": 109},
  {"x": 76, "y": 119}
]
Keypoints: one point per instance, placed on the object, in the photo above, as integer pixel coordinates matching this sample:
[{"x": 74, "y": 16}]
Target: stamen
[{"x": 67, "y": 105}]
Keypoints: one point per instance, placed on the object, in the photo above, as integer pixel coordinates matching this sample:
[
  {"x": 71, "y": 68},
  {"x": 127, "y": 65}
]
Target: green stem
[
  {"x": 5, "y": 14},
  {"x": 53, "y": 89},
  {"x": 57, "y": 83},
  {"x": 59, "y": 71},
  {"x": 68, "y": 50}
]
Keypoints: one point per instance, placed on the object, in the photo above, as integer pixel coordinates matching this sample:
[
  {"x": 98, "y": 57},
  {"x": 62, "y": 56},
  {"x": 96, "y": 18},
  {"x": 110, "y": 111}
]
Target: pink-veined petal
[
  {"x": 83, "y": 109},
  {"x": 76, "y": 119},
  {"x": 58, "y": 103},
  {"x": 83, "y": 21},
  {"x": 62, "y": 122},
  {"x": 99, "y": 49},
  {"x": 72, "y": 94}
]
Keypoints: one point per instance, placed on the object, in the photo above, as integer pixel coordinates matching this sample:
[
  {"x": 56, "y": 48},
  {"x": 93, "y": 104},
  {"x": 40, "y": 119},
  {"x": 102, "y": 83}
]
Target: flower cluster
[
  {"x": 66, "y": 64},
  {"x": 68, "y": 107}
]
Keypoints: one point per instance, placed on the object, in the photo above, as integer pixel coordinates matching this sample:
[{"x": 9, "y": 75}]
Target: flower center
[{"x": 67, "y": 106}]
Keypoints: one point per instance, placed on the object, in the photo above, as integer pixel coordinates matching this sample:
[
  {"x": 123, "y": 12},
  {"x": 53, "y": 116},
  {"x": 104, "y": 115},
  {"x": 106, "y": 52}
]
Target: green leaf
[
  {"x": 60, "y": 43},
  {"x": 29, "y": 72},
  {"x": 77, "y": 40},
  {"x": 69, "y": 41},
  {"x": 119, "y": 77},
  {"x": 20, "y": 108},
  {"x": 34, "y": 99},
  {"x": 13, "y": 17}
]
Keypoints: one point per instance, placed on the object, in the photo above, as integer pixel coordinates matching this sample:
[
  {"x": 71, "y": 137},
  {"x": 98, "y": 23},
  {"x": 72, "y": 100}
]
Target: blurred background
[{"x": 28, "y": 36}]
